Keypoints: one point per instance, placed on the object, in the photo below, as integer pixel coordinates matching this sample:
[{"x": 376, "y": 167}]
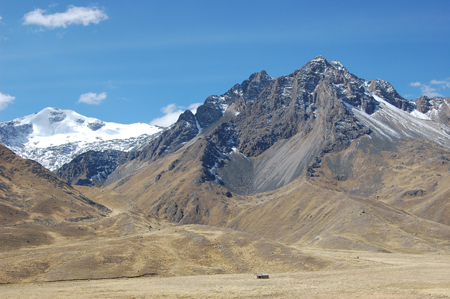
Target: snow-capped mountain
[{"x": 53, "y": 137}]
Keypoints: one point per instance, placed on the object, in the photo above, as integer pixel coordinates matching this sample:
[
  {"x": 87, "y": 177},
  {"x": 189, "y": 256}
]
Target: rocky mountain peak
[
  {"x": 423, "y": 104},
  {"x": 274, "y": 109},
  {"x": 436, "y": 109},
  {"x": 316, "y": 66},
  {"x": 334, "y": 78},
  {"x": 310, "y": 101},
  {"x": 254, "y": 85},
  {"x": 338, "y": 65},
  {"x": 187, "y": 118},
  {"x": 385, "y": 90},
  {"x": 215, "y": 106}
]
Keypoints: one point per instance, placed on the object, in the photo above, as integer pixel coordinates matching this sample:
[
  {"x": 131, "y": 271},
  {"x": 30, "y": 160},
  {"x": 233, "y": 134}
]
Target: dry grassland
[{"x": 372, "y": 275}]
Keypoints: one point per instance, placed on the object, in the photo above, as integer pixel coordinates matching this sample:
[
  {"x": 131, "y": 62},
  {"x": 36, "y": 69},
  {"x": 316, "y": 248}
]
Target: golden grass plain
[{"x": 371, "y": 275}]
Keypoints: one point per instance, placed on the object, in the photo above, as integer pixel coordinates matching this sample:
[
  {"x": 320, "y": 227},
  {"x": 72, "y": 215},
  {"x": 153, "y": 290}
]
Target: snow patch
[
  {"x": 216, "y": 176},
  {"x": 200, "y": 129},
  {"x": 420, "y": 115}
]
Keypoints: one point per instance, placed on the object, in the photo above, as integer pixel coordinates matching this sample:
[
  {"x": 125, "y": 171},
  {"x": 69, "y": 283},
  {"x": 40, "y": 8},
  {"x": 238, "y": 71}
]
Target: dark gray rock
[
  {"x": 169, "y": 141},
  {"x": 96, "y": 125},
  {"x": 56, "y": 116},
  {"x": 90, "y": 168}
]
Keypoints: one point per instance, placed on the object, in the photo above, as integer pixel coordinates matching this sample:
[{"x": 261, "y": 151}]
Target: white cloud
[
  {"x": 193, "y": 107},
  {"x": 73, "y": 15},
  {"x": 5, "y": 99},
  {"x": 171, "y": 114},
  {"x": 444, "y": 84},
  {"x": 430, "y": 91},
  {"x": 92, "y": 98}
]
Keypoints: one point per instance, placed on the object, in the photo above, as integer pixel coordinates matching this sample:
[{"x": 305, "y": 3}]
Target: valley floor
[{"x": 354, "y": 275}]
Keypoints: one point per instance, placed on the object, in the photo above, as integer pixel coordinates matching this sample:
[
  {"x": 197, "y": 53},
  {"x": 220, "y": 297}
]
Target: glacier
[{"x": 53, "y": 137}]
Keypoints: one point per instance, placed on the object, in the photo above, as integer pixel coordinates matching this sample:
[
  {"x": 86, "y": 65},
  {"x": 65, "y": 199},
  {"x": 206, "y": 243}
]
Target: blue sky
[{"x": 137, "y": 61}]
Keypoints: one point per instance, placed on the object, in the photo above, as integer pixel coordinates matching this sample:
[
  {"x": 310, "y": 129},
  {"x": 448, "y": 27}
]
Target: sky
[{"x": 148, "y": 61}]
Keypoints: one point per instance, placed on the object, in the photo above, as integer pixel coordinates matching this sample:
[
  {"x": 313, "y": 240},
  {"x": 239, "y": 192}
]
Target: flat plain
[{"x": 353, "y": 274}]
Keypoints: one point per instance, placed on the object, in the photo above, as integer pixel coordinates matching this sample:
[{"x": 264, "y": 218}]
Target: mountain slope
[
  {"x": 320, "y": 128},
  {"x": 32, "y": 196}
]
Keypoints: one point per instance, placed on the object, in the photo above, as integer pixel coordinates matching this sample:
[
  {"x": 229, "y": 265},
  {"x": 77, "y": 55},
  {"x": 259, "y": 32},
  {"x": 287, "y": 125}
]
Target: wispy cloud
[
  {"x": 73, "y": 15},
  {"x": 5, "y": 99},
  {"x": 171, "y": 114},
  {"x": 111, "y": 85},
  {"x": 434, "y": 88},
  {"x": 444, "y": 84},
  {"x": 92, "y": 98}
]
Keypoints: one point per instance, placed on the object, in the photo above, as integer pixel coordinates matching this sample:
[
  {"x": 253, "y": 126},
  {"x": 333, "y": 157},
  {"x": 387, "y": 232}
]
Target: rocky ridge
[
  {"x": 90, "y": 168},
  {"x": 262, "y": 111},
  {"x": 436, "y": 109}
]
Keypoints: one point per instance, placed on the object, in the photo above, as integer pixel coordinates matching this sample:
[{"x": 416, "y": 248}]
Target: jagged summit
[
  {"x": 436, "y": 109},
  {"x": 386, "y": 91},
  {"x": 319, "y": 109}
]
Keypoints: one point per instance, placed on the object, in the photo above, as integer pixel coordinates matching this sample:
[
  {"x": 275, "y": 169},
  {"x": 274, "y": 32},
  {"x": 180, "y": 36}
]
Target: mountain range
[{"x": 318, "y": 158}]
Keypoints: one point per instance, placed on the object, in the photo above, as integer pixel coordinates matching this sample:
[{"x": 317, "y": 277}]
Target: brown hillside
[
  {"x": 33, "y": 198},
  {"x": 52, "y": 232},
  {"x": 362, "y": 198}
]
